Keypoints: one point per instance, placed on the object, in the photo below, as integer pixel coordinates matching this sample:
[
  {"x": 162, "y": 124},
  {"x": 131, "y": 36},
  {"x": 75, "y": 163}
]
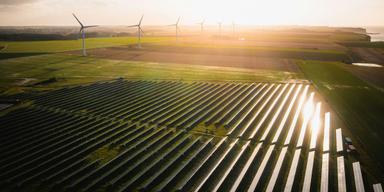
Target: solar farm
[{"x": 128, "y": 135}]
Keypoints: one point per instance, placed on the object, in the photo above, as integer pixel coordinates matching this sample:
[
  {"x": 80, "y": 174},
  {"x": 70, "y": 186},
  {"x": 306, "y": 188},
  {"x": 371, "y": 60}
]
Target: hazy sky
[{"x": 247, "y": 12}]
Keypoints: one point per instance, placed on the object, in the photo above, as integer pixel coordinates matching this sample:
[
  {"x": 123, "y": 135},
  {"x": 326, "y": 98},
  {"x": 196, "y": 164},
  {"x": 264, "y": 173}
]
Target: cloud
[{"x": 16, "y": 2}]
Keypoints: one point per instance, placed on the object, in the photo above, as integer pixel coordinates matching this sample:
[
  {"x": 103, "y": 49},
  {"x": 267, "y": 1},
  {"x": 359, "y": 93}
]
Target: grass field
[
  {"x": 359, "y": 104},
  {"x": 306, "y": 36},
  {"x": 250, "y": 48},
  {"x": 68, "y": 45},
  {"x": 378, "y": 44},
  {"x": 70, "y": 69}
]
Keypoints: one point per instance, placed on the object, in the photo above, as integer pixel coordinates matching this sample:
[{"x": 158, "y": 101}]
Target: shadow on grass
[{"x": 16, "y": 55}]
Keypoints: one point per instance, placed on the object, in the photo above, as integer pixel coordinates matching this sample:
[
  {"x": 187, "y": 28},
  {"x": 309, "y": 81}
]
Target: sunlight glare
[
  {"x": 308, "y": 107},
  {"x": 315, "y": 126}
]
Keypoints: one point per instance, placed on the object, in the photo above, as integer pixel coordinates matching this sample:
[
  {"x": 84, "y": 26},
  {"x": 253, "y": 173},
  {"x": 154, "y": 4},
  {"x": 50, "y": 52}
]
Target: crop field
[{"x": 172, "y": 135}]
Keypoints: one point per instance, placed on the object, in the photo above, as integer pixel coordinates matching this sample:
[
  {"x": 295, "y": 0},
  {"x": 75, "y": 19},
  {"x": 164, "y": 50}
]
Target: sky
[{"x": 158, "y": 12}]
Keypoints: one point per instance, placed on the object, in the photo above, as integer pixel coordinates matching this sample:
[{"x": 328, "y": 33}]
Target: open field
[
  {"x": 161, "y": 55},
  {"x": 298, "y": 35},
  {"x": 70, "y": 69},
  {"x": 368, "y": 55},
  {"x": 360, "y": 105},
  {"x": 233, "y": 48},
  {"x": 372, "y": 75},
  {"x": 379, "y": 45},
  {"x": 259, "y": 43},
  {"x": 168, "y": 135},
  {"x": 217, "y": 55},
  {"x": 68, "y": 45}
]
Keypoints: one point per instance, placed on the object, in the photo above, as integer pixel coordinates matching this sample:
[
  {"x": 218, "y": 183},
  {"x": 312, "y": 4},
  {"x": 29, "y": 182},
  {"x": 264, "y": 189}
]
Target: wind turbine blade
[
  {"x": 141, "y": 19},
  {"x": 142, "y": 31},
  {"x": 172, "y": 25},
  {"x": 89, "y": 26},
  {"x": 133, "y": 26},
  {"x": 178, "y": 19},
  {"x": 78, "y": 20}
]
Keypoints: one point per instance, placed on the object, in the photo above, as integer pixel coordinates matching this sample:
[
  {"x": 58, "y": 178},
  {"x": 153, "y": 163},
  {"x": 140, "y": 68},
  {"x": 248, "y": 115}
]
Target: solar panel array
[{"x": 166, "y": 136}]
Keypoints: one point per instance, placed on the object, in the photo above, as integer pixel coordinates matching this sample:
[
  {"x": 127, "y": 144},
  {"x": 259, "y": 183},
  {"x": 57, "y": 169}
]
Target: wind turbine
[
  {"x": 139, "y": 31},
  {"x": 219, "y": 28},
  {"x": 233, "y": 28},
  {"x": 201, "y": 26},
  {"x": 177, "y": 28},
  {"x": 82, "y": 31}
]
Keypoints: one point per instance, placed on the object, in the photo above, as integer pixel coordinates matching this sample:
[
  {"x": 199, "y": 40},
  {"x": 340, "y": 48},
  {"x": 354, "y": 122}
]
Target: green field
[
  {"x": 68, "y": 45},
  {"x": 249, "y": 47},
  {"x": 360, "y": 105},
  {"x": 379, "y": 45},
  {"x": 71, "y": 69}
]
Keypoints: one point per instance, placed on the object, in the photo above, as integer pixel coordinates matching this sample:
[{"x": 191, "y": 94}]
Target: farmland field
[
  {"x": 170, "y": 135},
  {"x": 265, "y": 110}
]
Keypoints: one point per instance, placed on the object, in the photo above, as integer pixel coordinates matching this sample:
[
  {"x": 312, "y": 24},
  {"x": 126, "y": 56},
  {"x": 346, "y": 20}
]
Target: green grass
[
  {"x": 252, "y": 48},
  {"x": 68, "y": 45},
  {"x": 360, "y": 105},
  {"x": 308, "y": 36},
  {"x": 15, "y": 55},
  {"x": 71, "y": 69},
  {"x": 346, "y": 37},
  {"x": 271, "y": 52},
  {"x": 379, "y": 45}
]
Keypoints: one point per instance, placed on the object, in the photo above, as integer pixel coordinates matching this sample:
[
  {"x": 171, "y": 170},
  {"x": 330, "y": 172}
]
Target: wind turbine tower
[
  {"x": 233, "y": 28},
  {"x": 139, "y": 31},
  {"x": 219, "y": 28},
  {"x": 201, "y": 26},
  {"x": 82, "y": 31},
  {"x": 177, "y": 28}
]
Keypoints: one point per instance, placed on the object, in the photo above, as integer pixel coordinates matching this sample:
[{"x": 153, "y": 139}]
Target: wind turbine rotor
[
  {"x": 90, "y": 26},
  {"x": 82, "y": 32},
  {"x": 139, "y": 31}
]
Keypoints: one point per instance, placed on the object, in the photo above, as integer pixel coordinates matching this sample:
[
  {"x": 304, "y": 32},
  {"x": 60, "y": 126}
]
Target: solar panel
[{"x": 359, "y": 184}]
